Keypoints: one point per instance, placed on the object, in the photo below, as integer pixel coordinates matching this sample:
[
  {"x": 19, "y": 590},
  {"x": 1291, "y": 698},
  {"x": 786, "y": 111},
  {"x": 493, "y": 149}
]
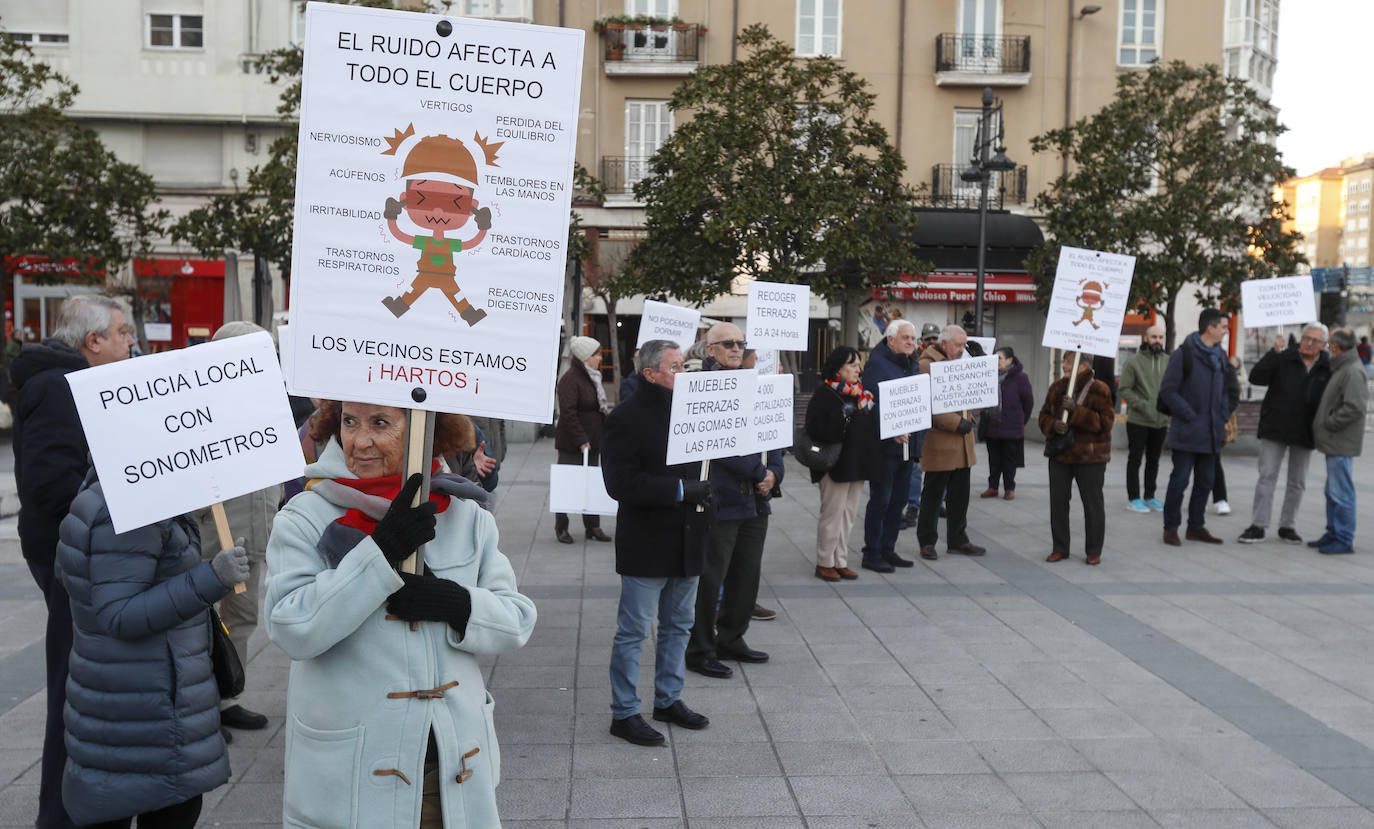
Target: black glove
[
  {"x": 696, "y": 492},
  {"x": 965, "y": 426},
  {"x": 393, "y": 208},
  {"x": 404, "y": 528},
  {"x": 429, "y": 598}
]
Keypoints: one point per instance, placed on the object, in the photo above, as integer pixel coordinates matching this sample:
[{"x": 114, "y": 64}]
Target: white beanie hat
[{"x": 582, "y": 348}]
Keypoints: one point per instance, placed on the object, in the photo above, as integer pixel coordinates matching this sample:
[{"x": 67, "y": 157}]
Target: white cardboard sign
[
  {"x": 988, "y": 344},
  {"x": 177, "y": 431},
  {"x": 903, "y": 405},
  {"x": 433, "y": 184},
  {"x": 766, "y": 361},
  {"x": 661, "y": 321},
  {"x": 1285, "y": 301},
  {"x": 711, "y": 415},
  {"x": 771, "y": 424},
  {"x": 777, "y": 315},
  {"x": 580, "y": 490},
  {"x": 963, "y": 385},
  {"x": 1088, "y": 302}
]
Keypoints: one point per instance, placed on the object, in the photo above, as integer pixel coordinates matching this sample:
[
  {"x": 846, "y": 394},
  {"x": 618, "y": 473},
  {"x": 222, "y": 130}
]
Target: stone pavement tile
[
  {"x": 619, "y": 759},
  {"x": 647, "y": 798},
  {"x": 742, "y": 796},
  {"x": 824, "y": 795},
  {"x": 532, "y": 676},
  {"x": 1213, "y": 819},
  {"x": 539, "y": 656},
  {"x": 913, "y": 725},
  {"x": 261, "y": 767},
  {"x": 247, "y": 803},
  {"x": 1171, "y": 721},
  {"x": 750, "y": 823},
  {"x": 964, "y": 820},
  {"x": 743, "y": 727},
  {"x": 743, "y": 760},
  {"x": 1097, "y": 820},
  {"x": 535, "y": 728},
  {"x": 1031, "y": 755},
  {"x": 535, "y": 824},
  {"x": 886, "y": 615},
  {"x": 780, "y": 671},
  {"x": 18, "y": 805},
  {"x": 788, "y": 698},
  {"x": 729, "y": 697},
  {"x": 1075, "y": 694},
  {"x": 1355, "y": 783},
  {"x": 1131, "y": 754},
  {"x": 930, "y": 757},
  {"x": 842, "y": 758},
  {"x": 1067, "y": 791},
  {"x": 1269, "y": 787},
  {"x": 523, "y": 701},
  {"x": 1324, "y": 751},
  {"x": 892, "y": 675},
  {"x": 935, "y": 672},
  {"x": 850, "y": 654},
  {"x": 532, "y": 799},
  {"x": 23, "y": 724},
  {"x": 980, "y": 696},
  {"x": 880, "y": 699},
  {"x": 1352, "y": 818},
  {"x": 861, "y": 819},
  {"x": 1022, "y": 724},
  {"x": 931, "y": 793},
  {"x": 21, "y": 766},
  {"x": 809, "y": 726},
  {"x": 1083, "y": 723},
  {"x": 535, "y": 761},
  {"x": 1174, "y": 789}
]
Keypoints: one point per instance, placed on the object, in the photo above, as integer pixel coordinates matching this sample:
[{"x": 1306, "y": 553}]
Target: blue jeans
[
  {"x": 675, "y": 603},
  {"x": 1187, "y": 465},
  {"x": 1340, "y": 500},
  {"x": 886, "y": 500},
  {"x": 913, "y": 498}
]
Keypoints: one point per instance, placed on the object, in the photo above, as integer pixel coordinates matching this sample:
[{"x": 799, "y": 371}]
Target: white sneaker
[{"x": 1222, "y": 508}]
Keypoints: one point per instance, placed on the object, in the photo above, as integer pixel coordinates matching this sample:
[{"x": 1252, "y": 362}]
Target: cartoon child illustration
[
  {"x": 1090, "y": 300},
  {"x": 441, "y": 177}
]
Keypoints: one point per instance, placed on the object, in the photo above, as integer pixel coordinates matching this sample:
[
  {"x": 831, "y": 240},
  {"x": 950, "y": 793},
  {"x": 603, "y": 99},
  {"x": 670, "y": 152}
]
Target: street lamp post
[
  {"x": 1068, "y": 69},
  {"x": 981, "y": 171}
]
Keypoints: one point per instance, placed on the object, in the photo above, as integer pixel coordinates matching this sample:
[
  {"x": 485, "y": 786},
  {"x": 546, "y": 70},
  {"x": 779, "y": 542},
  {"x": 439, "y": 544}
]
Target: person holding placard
[
  {"x": 389, "y": 723},
  {"x": 930, "y": 334},
  {"x": 1089, "y": 414},
  {"x": 948, "y": 457},
  {"x": 1005, "y": 437},
  {"x": 1146, "y": 425},
  {"x": 582, "y": 408},
  {"x": 887, "y": 489},
  {"x": 660, "y": 547}
]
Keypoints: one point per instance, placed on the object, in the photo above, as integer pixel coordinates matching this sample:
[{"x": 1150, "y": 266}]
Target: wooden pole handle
[{"x": 226, "y": 539}]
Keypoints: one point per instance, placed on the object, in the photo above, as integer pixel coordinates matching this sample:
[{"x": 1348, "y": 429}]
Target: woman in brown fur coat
[{"x": 1090, "y": 419}]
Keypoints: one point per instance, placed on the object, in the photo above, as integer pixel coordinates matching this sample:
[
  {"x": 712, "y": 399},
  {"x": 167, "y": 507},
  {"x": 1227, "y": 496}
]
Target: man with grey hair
[
  {"x": 1295, "y": 378},
  {"x": 887, "y": 489},
  {"x": 1338, "y": 432},
  {"x": 49, "y": 465},
  {"x": 948, "y": 457}
]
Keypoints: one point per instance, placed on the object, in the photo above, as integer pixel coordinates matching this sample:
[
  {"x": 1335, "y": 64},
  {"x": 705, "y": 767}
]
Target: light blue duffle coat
[{"x": 350, "y": 749}]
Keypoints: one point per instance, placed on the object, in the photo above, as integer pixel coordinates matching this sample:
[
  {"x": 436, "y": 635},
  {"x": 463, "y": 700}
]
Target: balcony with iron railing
[
  {"x": 947, "y": 189},
  {"x": 646, "y": 49},
  {"x": 620, "y": 174},
  {"x": 982, "y": 60}
]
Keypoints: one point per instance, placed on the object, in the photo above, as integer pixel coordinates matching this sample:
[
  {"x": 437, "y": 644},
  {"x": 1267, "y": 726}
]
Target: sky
[{"x": 1321, "y": 82}]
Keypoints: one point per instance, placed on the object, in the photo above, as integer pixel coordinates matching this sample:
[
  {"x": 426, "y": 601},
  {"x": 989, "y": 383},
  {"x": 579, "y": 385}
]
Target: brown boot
[
  {"x": 1201, "y": 534},
  {"x": 988, "y": 493},
  {"x": 1171, "y": 538}
]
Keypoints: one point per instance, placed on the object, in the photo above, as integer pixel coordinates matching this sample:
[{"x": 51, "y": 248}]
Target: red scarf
[
  {"x": 387, "y": 487},
  {"x": 863, "y": 398}
]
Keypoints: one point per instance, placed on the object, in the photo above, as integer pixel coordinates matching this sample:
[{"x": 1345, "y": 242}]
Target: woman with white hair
[{"x": 582, "y": 407}]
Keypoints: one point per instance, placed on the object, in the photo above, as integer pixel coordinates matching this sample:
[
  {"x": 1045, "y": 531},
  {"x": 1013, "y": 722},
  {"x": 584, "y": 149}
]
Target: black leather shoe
[
  {"x": 633, "y": 729},
  {"x": 680, "y": 714},
  {"x": 711, "y": 667},
  {"x": 966, "y": 549},
  {"x": 595, "y": 534},
  {"x": 897, "y": 561},
  {"x": 564, "y": 537},
  {"x": 878, "y": 566},
  {"x": 236, "y": 716},
  {"x": 744, "y": 655}
]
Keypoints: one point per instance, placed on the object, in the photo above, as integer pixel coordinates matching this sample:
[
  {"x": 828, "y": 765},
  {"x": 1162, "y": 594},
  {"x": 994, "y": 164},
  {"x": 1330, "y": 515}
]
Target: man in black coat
[
  {"x": 887, "y": 491},
  {"x": 660, "y": 546},
  {"x": 50, "y": 462},
  {"x": 1295, "y": 377}
]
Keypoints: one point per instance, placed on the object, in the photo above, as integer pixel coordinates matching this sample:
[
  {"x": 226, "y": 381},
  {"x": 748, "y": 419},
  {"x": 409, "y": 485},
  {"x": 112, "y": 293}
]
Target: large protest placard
[
  {"x": 711, "y": 415},
  {"x": 433, "y": 184},
  {"x": 777, "y": 316},
  {"x": 770, "y": 427},
  {"x": 1285, "y": 301},
  {"x": 180, "y": 430},
  {"x": 661, "y": 321},
  {"x": 579, "y": 490},
  {"x": 904, "y": 406},
  {"x": 988, "y": 344},
  {"x": 1088, "y": 302},
  {"x": 963, "y": 385},
  {"x": 766, "y": 361}
]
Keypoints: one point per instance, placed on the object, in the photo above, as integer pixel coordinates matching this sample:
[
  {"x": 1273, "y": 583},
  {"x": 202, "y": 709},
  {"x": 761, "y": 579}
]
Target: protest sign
[
  {"x": 1088, "y": 302},
  {"x": 177, "y": 431},
  {"x": 433, "y": 185},
  {"x": 963, "y": 385},
  {"x": 777, "y": 315},
  {"x": 1285, "y": 301},
  {"x": 988, "y": 344},
  {"x": 771, "y": 424},
  {"x": 766, "y": 361},
  {"x": 661, "y": 321},
  {"x": 711, "y": 415},
  {"x": 579, "y": 490},
  {"x": 904, "y": 405}
]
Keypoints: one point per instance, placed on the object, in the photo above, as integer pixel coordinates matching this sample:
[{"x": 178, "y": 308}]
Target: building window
[
  {"x": 818, "y": 28},
  {"x": 298, "y": 23},
  {"x": 1139, "y": 32},
  {"x": 493, "y": 8},
  {"x": 38, "y": 38},
  {"x": 175, "y": 31},
  {"x": 1364, "y": 186},
  {"x": 652, "y": 8},
  {"x": 647, "y": 125}
]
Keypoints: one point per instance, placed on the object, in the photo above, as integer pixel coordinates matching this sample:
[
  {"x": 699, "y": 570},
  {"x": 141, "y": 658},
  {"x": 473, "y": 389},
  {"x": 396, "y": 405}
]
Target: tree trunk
[{"x": 1170, "y": 331}]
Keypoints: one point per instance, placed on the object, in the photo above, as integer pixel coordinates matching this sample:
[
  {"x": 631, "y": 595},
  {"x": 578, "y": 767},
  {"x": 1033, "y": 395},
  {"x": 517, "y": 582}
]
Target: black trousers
[
  {"x": 1218, "y": 481},
  {"x": 1089, "y": 477},
  {"x": 57, "y": 649},
  {"x": 733, "y": 560},
  {"x": 177, "y": 816},
  {"x": 951, "y": 488},
  {"x": 560, "y": 519},
  {"x": 1147, "y": 443},
  {"x": 1004, "y": 456}
]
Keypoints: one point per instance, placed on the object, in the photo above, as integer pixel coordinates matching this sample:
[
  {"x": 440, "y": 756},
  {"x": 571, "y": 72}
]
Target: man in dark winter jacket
[
  {"x": 50, "y": 462},
  {"x": 887, "y": 492},
  {"x": 1295, "y": 378},
  {"x": 660, "y": 545},
  {"x": 1200, "y": 398},
  {"x": 740, "y": 487}
]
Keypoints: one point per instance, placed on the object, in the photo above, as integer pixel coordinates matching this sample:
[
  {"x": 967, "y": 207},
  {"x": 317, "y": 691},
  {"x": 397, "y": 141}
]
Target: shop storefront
[{"x": 183, "y": 300}]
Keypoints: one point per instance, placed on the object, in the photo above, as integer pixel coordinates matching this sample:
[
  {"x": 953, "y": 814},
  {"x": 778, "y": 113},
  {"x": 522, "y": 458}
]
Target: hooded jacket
[
  {"x": 354, "y": 755},
  {"x": 1141, "y": 375}
]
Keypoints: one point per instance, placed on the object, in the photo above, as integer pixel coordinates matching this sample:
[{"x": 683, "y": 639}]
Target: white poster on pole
[
  {"x": 963, "y": 385},
  {"x": 904, "y": 405},
  {"x": 988, "y": 344},
  {"x": 433, "y": 184},
  {"x": 1288, "y": 300},
  {"x": 661, "y": 321},
  {"x": 711, "y": 415},
  {"x": 771, "y": 424},
  {"x": 580, "y": 490},
  {"x": 777, "y": 316},
  {"x": 766, "y": 361},
  {"x": 180, "y": 430},
  {"x": 1088, "y": 302}
]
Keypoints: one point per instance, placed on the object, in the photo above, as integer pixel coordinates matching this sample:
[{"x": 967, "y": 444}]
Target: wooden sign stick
[
  {"x": 705, "y": 475},
  {"x": 419, "y": 456},
  {"x": 226, "y": 540},
  {"x": 1073, "y": 377}
]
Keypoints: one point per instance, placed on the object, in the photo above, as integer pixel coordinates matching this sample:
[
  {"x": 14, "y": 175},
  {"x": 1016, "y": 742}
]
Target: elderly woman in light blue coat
[{"x": 388, "y": 723}]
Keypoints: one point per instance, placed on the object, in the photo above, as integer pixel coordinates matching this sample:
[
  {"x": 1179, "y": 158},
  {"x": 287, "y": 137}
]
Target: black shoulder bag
[{"x": 229, "y": 675}]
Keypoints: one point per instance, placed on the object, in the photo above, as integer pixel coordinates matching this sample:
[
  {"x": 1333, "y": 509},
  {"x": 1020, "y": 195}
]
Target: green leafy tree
[
  {"x": 781, "y": 173},
  {"x": 64, "y": 197},
  {"x": 1179, "y": 170}
]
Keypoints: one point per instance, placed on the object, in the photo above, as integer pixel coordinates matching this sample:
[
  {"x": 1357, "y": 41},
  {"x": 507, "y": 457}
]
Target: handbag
[
  {"x": 1232, "y": 429},
  {"x": 814, "y": 455},
  {"x": 229, "y": 675}
]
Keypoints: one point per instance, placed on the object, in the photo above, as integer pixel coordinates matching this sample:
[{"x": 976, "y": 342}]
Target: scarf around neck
[
  {"x": 595, "y": 375},
  {"x": 862, "y": 397}
]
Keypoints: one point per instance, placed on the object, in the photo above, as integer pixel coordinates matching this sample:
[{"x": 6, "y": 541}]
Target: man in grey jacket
[{"x": 1338, "y": 430}]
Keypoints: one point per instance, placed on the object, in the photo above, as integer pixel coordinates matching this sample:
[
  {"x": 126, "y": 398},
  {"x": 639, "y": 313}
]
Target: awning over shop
[{"x": 943, "y": 286}]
